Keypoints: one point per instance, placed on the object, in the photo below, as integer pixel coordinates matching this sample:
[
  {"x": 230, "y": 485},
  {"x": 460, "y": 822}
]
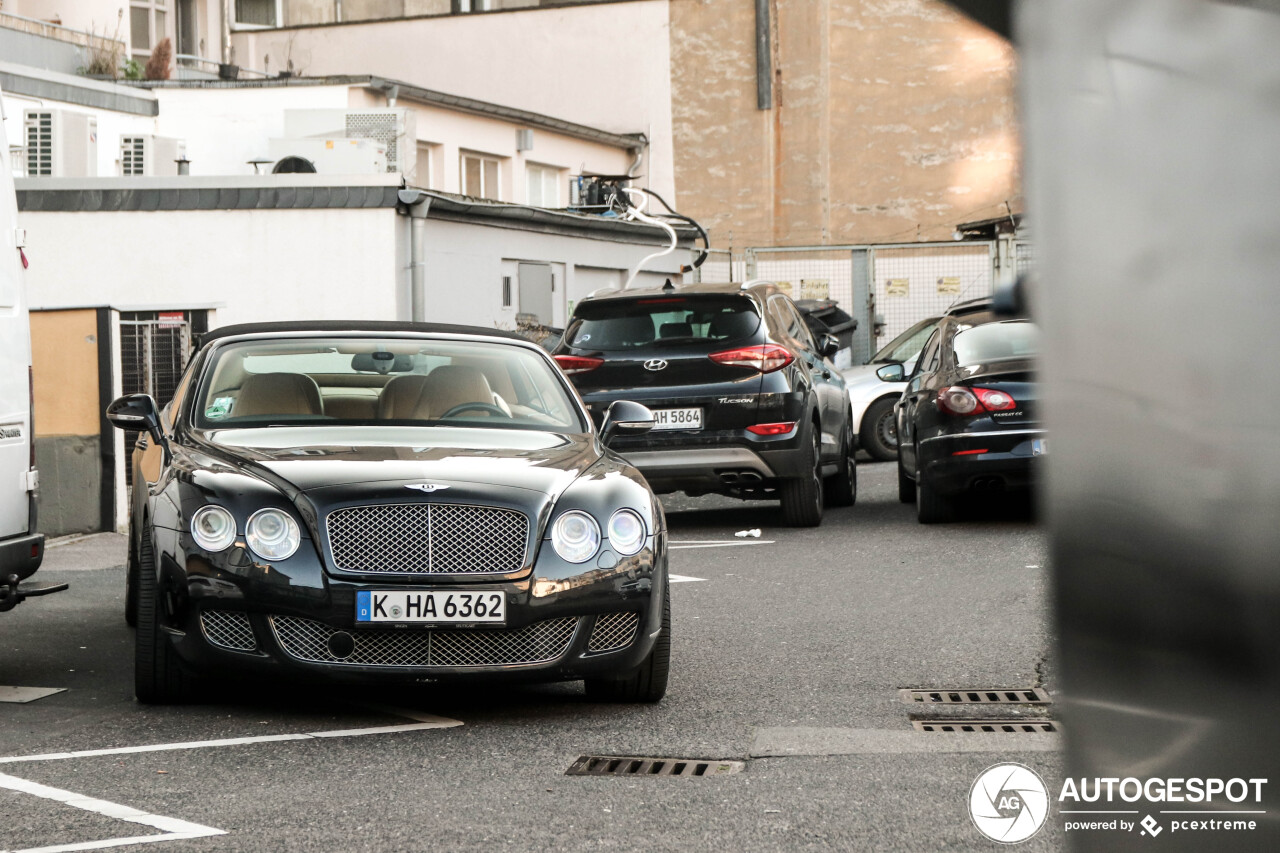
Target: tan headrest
[
  {"x": 450, "y": 385},
  {"x": 278, "y": 394},
  {"x": 400, "y": 396}
]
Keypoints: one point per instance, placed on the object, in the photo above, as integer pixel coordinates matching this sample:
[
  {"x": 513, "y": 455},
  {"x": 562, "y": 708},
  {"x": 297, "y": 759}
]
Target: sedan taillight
[
  {"x": 959, "y": 400},
  {"x": 765, "y": 358},
  {"x": 572, "y": 364}
]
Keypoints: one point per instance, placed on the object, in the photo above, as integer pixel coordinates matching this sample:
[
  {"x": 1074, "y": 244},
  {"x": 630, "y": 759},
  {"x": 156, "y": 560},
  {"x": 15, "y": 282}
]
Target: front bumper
[
  {"x": 1009, "y": 461},
  {"x": 563, "y": 623}
]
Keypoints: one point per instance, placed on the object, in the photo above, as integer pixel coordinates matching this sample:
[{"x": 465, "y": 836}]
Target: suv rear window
[{"x": 619, "y": 324}]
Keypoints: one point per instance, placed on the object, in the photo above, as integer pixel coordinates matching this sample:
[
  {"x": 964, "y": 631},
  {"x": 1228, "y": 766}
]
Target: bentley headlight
[
  {"x": 575, "y": 536},
  {"x": 213, "y": 527},
  {"x": 626, "y": 532},
  {"x": 272, "y": 534}
]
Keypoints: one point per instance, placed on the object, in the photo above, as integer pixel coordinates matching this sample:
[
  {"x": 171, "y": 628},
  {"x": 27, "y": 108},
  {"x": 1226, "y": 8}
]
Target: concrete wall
[
  {"x": 64, "y": 360},
  {"x": 891, "y": 120},
  {"x": 257, "y": 264},
  {"x": 602, "y": 65}
]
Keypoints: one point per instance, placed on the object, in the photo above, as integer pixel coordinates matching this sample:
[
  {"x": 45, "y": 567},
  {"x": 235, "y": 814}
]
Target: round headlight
[
  {"x": 213, "y": 527},
  {"x": 626, "y": 532},
  {"x": 272, "y": 534},
  {"x": 575, "y": 536}
]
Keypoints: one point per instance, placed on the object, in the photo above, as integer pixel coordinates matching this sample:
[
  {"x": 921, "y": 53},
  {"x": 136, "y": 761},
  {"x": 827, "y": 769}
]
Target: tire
[
  {"x": 802, "y": 496},
  {"x": 879, "y": 433},
  {"x": 906, "y": 486},
  {"x": 158, "y": 678},
  {"x": 131, "y": 586},
  {"x": 931, "y": 507},
  {"x": 648, "y": 683},
  {"x": 841, "y": 488}
]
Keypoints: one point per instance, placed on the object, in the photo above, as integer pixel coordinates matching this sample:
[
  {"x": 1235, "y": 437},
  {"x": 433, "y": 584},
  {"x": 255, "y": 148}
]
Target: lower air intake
[
  {"x": 613, "y": 631},
  {"x": 228, "y": 629}
]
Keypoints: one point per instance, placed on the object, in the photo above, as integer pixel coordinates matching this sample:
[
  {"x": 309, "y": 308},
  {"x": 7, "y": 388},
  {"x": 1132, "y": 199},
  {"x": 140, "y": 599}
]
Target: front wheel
[
  {"x": 158, "y": 677},
  {"x": 131, "y": 586},
  {"x": 802, "y": 496},
  {"x": 648, "y": 683},
  {"x": 880, "y": 430},
  {"x": 842, "y": 487}
]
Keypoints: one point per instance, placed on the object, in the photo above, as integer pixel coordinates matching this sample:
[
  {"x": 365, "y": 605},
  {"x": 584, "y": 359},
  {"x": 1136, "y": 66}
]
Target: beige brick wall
[{"x": 892, "y": 120}]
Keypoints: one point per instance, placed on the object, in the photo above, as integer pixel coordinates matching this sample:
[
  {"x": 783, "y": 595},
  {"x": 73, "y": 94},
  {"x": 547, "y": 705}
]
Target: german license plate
[
  {"x": 1039, "y": 447},
  {"x": 430, "y": 606},
  {"x": 677, "y": 418}
]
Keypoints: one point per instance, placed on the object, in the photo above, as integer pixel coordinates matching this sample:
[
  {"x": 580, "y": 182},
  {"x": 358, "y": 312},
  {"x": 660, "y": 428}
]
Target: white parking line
[
  {"x": 427, "y": 722},
  {"x": 172, "y": 828}
]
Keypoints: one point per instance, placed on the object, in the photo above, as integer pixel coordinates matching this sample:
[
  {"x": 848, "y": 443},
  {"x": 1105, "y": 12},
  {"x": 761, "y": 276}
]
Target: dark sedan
[
  {"x": 968, "y": 421},
  {"x": 390, "y": 502},
  {"x": 745, "y": 400}
]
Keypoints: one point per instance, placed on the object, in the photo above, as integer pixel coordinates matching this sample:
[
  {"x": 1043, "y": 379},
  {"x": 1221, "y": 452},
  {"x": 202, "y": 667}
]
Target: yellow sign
[
  {"x": 896, "y": 286},
  {"x": 815, "y": 288},
  {"x": 950, "y": 284}
]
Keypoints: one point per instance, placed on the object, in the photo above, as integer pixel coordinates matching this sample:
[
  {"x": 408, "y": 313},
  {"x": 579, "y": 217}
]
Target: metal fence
[
  {"x": 153, "y": 353},
  {"x": 722, "y": 265}
]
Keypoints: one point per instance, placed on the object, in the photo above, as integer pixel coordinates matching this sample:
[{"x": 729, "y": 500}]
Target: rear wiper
[{"x": 685, "y": 340}]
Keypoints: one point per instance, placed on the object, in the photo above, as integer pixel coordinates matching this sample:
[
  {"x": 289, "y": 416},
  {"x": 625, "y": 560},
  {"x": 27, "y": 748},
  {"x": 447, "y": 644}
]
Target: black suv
[{"x": 745, "y": 402}]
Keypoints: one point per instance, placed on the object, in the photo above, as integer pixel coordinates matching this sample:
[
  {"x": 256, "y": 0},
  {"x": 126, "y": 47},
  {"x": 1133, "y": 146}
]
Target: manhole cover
[
  {"x": 1001, "y": 696},
  {"x": 623, "y": 765},
  {"x": 986, "y": 726}
]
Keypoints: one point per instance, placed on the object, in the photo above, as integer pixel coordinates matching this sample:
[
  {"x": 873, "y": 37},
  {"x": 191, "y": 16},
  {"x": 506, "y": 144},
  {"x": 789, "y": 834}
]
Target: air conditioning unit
[
  {"x": 394, "y": 127},
  {"x": 331, "y": 156},
  {"x": 60, "y": 144},
  {"x": 143, "y": 154}
]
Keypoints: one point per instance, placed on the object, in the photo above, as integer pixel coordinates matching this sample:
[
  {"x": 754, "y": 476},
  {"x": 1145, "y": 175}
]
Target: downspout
[
  {"x": 226, "y": 31},
  {"x": 415, "y": 204}
]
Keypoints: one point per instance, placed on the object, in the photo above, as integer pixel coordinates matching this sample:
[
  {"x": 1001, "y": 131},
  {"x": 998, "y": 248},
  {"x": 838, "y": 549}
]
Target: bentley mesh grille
[
  {"x": 229, "y": 629},
  {"x": 613, "y": 631},
  {"x": 540, "y": 642},
  {"x": 421, "y": 538}
]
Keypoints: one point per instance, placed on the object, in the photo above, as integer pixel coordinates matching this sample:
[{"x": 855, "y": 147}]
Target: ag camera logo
[{"x": 1008, "y": 803}]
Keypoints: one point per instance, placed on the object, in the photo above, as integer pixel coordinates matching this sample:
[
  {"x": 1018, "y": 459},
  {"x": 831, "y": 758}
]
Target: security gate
[{"x": 154, "y": 348}]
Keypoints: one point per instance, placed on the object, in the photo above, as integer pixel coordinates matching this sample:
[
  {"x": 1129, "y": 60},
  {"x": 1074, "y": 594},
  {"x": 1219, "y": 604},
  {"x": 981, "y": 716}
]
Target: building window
[
  {"x": 424, "y": 167},
  {"x": 148, "y": 20},
  {"x": 506, "y": 291},
  {"x": 543, "y": 185},
  {"x": 481, "y": 177},
  {"x": 257, "y": 13}
]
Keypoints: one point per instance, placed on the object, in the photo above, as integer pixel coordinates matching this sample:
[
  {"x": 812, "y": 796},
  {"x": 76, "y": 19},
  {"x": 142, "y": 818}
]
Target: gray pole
[{"x": 415, "y": 204}]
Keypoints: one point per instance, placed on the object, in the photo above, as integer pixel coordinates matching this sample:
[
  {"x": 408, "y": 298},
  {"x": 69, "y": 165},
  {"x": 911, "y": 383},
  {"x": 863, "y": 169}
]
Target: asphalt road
[{"x": 788, "y": 654}]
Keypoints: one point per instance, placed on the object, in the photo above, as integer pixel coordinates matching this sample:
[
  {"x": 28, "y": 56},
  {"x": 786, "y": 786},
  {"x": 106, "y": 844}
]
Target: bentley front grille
[
  {"x": 541, "y": 642},
  {"x": 422, "y": 538},
  {"x": 228, "y": 629},
  {"x": 613, "y": 631}
]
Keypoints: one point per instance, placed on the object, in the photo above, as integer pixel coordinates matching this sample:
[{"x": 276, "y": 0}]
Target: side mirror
[
  {"x": 828, "y": 345},
  {"x": 135, "y": 411},
  {"x": 892, "y": 373},
  {"x": 625, "y": 418}
]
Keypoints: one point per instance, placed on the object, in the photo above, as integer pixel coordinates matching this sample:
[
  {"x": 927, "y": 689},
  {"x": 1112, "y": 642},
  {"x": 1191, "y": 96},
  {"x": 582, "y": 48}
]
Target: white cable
[{"x": 637, "y": 212}]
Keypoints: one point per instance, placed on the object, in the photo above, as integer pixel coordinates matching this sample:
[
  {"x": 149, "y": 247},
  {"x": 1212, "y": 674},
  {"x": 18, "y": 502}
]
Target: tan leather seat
[
  {"x": 400, "y": 396},
  {"x": 278, "y": 394},
  {"x": 451, "y": 385}
]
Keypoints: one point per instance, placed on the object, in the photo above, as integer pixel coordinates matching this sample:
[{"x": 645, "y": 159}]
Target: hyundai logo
[
  {"x": 655, "y": 364},
  {"x": 426, "y": 487}
]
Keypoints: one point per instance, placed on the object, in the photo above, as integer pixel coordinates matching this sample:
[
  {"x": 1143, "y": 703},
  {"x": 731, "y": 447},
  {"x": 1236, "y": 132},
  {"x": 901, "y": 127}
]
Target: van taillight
[
  {"x": 765, "y": 358},
  {"x": 572, "y": 364}
]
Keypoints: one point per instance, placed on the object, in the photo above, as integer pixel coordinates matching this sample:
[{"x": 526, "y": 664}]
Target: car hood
[{"x": 311, "y": 458}]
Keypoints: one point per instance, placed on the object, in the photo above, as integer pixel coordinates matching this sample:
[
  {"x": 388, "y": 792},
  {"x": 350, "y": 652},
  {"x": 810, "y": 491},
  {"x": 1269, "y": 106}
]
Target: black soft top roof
[{"x": 324, "y": 326}]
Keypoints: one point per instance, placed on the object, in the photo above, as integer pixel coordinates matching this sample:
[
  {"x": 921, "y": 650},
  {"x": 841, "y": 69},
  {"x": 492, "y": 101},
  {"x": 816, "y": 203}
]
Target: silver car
[{"x": 872, "y": 399}]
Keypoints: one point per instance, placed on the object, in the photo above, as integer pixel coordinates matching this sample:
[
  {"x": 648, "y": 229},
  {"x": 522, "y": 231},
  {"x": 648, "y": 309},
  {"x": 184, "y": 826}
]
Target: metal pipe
[
  {"x": 415, "y": 204},
  {"x": 226, "y": 31}
]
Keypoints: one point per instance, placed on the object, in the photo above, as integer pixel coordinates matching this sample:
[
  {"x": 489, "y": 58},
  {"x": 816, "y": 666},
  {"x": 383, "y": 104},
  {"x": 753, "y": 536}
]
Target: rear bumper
[
  {"x": 703, "y": 464},
  {"x": 21, "y": 556},
  {"x": 1009, "y": 461}
]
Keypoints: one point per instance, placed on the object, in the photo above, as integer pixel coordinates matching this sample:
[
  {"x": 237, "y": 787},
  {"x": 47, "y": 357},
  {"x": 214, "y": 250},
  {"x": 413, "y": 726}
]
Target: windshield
[
  {"x": 390, "y": 381},
  {"x": 907, "y": 345},
  {"x": 618, "y": 324},
  {"x": 996, "y": 342}
]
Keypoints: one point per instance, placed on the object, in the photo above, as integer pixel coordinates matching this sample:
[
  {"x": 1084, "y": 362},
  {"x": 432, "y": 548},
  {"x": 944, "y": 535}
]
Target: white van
[{"x": 21, "y": 548}]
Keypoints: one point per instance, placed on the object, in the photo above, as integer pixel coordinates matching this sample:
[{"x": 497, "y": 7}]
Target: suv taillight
[
  {"x": 765, "y": 358},
  {"x": 572, "y": 364},
  {"x": 959, "y": 400}
]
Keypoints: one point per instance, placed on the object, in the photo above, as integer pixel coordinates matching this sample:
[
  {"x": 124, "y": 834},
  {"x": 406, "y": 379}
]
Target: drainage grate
[
  {"x": 986, "y": 726},
  {"x": 1018, "y": 696},
  {"x": 619, "y": 765}
]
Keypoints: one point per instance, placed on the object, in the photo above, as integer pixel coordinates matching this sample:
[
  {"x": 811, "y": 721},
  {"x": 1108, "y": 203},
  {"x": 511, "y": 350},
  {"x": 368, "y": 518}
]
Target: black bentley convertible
[{"x": 389, "y": 501}]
